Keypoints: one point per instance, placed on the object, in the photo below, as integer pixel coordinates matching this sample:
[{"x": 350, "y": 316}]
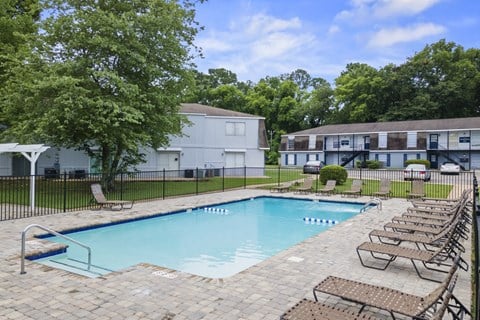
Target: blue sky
[{"x": 256, "y": 38}]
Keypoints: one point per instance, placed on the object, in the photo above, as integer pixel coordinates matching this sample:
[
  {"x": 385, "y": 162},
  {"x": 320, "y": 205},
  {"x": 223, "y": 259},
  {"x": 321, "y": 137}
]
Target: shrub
[
  {"x": 370, "y": 164},
  {"x": 418, "y": 161},
  {"x": 333, "y": 172}
]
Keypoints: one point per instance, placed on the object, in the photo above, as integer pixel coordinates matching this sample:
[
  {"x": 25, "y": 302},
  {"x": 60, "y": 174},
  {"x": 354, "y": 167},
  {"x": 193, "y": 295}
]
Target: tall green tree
[{"x": 114, "y": 72}]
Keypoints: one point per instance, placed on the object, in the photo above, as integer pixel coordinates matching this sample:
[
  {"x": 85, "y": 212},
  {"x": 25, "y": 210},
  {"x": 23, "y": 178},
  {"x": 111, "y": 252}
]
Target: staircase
[
  {"x": 445, "y": 154},
  {"x": 353, "y": 156}
]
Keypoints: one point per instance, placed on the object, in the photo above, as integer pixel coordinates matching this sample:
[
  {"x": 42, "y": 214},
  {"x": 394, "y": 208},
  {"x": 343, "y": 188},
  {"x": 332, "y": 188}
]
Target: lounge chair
[
  {"x": 389, "y": 253},
  {"x": 390, "y": 300},
  {"x": 426, "y": 240},
  {"x": 418, "y": 189},
  {"x": 384, "y": 192},
  {"x": 313, "y": 310},
  {"x": 306, "y": 187},
  {"x": 329, "y": 187},
  {"x": 355, "y": 189},
  {"x": 282, "y": 188},
  {"x": 112, "y": 204}
]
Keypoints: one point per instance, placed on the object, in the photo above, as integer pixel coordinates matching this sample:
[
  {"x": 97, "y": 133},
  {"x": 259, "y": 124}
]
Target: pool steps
[{"x": 75, "y": 266}]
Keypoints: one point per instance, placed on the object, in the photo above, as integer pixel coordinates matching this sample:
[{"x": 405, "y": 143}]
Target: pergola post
[{"x": 31, "y": 152}]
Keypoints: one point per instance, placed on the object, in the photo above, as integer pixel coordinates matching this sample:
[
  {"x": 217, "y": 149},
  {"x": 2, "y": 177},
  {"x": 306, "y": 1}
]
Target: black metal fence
[{"x": 71, "y": 191}]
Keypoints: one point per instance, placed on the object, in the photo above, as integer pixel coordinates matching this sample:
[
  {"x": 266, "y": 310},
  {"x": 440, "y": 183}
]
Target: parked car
[
  {"x": 449, "y": 168},
  {"x": 416, "y": 172},
  {"x": 313, "y": 166}
]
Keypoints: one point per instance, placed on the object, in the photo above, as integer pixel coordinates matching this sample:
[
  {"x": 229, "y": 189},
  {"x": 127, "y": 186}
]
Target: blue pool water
[{"x": 214, "y": 244}]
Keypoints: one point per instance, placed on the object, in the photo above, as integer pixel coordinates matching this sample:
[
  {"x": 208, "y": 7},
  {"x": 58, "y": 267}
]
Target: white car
[
  {"x": 449, "y": 168},
  {"x": 416, "y": 172}
]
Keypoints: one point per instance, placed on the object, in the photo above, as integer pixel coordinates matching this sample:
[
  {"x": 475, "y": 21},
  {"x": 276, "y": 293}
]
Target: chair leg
[{"x": 379, "y": 258}]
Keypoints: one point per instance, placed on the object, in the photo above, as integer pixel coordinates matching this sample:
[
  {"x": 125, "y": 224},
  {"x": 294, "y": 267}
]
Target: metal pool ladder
[
  {"x": 22, "y": 256},
  {"x": 375, "y": 201}
]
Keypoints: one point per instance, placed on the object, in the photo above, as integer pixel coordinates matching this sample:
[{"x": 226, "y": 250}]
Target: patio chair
[
  {"x": 306, "y": 187},
  {"x": 426, "y": 240},
  {"x": 282, "y": 188},
  {"x": 312, "y": 310},
  {"x": 418, "y": 189},
  {"x": 112, "y": 204},
  {"x": 355, "y": 189},
  {"x": 329, "y": 187},
  {"x": 384, "y": 192},
  {"x": 390, "y": 300},
  {"x": 389, "y": 253}
]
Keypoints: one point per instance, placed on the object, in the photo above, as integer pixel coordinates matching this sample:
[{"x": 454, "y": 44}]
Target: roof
[
  {"x": 197, "y": 108},
  {"x": 395, "y": 126}
]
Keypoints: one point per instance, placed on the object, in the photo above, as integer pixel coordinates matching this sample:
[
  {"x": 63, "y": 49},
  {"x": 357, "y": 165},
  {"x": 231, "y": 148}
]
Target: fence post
[
  {"x": 223, "y": 179},
  {"x": 244, "y": 177},
  {"x": 278, "y": 176},
  {"x": 163, "y": 185},
  {"x": 65, "y": 192},
  {"x": 196, "y": 181},
  {"x": 121, "y": 185},
  {"x": 475, "y": 215}
]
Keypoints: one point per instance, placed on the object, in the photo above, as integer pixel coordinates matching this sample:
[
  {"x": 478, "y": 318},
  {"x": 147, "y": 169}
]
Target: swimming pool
[{"x": 214, "y": 242}]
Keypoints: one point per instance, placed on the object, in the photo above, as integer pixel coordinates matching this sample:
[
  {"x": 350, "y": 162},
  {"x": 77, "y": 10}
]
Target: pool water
[{"x": 215, "y": 242}]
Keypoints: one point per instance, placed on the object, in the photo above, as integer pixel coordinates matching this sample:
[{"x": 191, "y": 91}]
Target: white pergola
[{"x": 31, "y": 152}]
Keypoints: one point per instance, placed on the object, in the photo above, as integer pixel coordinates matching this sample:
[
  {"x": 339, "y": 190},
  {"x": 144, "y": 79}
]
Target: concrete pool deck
[{"x": 145, "y": 291}]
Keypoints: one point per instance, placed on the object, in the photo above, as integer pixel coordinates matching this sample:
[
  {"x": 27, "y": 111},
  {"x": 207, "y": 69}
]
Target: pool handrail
[
  {"x": 375, "y": 201},
  {"x": 55, "y": 233}
]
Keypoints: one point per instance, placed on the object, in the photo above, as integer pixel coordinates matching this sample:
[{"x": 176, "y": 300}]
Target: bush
[
  {"x": 418, "y": 161},
  {"x": 370, "y": 164},
  {"x": 333, "y": 172}
]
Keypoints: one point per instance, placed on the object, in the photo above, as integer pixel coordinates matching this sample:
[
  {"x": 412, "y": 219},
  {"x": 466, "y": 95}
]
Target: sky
[{"x": 258, "y": 38}]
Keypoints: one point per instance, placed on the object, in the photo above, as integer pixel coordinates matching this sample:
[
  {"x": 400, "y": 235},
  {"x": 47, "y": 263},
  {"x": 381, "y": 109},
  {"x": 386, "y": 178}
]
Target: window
[
  {"x": 344, "y": 143},
  {"x": 235, "y": 128},
  {"x": 464, "y": 139},
  {"x": 312, "y": 140},
  {"x": 382, "y": 139},
  {"x": 291, "y": 143},
  {"x": 411, "y": 140}
]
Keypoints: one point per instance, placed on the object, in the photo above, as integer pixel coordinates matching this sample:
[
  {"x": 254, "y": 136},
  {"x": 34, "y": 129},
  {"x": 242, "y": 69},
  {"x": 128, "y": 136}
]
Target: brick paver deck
[{"x": 145, "y": 291}]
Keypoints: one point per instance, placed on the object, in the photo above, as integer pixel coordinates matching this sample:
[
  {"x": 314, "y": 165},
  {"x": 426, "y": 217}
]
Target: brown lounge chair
[
  {"x": 387, "y": 299},
  {"x": 389, "y": 253},
  {"x": 282, "y": 188},
  {"x": 355, "y": 189},
  {"x": 418, "y": 189},
  {"x": 384, "y": 192},
  {"x": 329, "y": 187},
  {"x": 445, "y": 300},
  {"x": 428, "y": 241},
  {"x": 112, "y": 204},
  {"x": 307, "y": 186}
]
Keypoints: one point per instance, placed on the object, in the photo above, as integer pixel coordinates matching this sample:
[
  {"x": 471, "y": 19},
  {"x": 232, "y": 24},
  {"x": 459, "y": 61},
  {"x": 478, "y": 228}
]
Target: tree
[
  {"x": 356, "y": 94},
  {"x": 114, "y": 71},
  {"x": 18, "y": 24},
  {"x": 319, "y": 106}
]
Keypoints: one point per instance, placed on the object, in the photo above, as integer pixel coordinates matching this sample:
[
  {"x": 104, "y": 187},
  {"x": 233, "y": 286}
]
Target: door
[
  {"x": 366, "y": 142},
  {"x": 433, "y": 141},
  {"x": 433, "y": 158},
  {"x": 234, "y": 159},
  {"x": 170, "y": 161}
]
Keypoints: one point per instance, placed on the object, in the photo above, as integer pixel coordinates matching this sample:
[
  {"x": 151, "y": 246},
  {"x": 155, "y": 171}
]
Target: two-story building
[
  {"x": 441, "y": 140},
  {"x": 215, "y": 139}
]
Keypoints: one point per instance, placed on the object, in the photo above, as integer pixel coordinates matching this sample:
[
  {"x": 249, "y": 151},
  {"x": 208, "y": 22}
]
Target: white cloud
[
  {"x": 214, "y": 44},
  {"x": 389, "y": 8},
  {"x": 363, "y": 11},
  {"x": 259, "y": 45},
  {"x": 333, "y": 29},
  {"x": 263, "y": 24},
  {"x": 389, "y": 37}
]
